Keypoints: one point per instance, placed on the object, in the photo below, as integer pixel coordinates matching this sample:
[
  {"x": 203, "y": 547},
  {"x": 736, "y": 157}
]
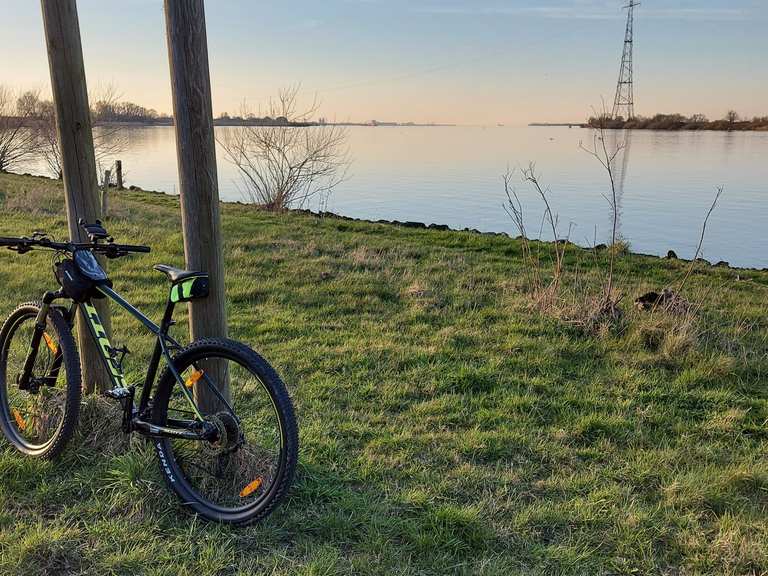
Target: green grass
[{"x": 445, "y": 426}]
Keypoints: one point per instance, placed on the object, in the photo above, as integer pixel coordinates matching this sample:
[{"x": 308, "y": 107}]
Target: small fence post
[
  {"x": 119, "y": 173},
  {"x": 105, "y": 193}
]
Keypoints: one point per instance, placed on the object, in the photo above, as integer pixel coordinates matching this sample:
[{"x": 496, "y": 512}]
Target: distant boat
[{"x": 500, "y": 125}]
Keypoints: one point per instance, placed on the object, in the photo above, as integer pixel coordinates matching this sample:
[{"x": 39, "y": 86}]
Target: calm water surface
[{"x": 452, "y": 176}]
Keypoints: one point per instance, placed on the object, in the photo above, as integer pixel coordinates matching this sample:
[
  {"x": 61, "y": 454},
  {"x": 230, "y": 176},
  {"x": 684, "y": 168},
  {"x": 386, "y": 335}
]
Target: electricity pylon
[{"x": 624, "y": 103}]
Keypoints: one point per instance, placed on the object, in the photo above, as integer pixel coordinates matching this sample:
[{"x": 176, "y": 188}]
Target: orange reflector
[
  {"x": 50, "y": 342},
  {"x": 250, "y": 488},
  {"x": 19, "y": 420},
  {"x": 196, "y": 375}
]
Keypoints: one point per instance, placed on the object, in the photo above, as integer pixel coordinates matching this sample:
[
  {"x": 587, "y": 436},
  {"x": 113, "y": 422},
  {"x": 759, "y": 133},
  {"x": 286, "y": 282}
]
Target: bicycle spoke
[{"x": 241, "y": 465}]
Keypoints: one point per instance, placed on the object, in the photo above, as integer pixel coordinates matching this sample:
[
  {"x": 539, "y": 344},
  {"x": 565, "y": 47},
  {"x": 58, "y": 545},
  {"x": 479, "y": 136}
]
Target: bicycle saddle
[{"x": 177, "y": 274}]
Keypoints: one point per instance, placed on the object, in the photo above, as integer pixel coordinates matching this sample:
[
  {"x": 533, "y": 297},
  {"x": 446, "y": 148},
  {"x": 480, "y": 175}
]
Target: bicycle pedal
[{"x": 119, "y": 393}]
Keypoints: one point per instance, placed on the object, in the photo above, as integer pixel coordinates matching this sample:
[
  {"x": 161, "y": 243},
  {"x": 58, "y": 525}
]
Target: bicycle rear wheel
[
  {"x": 39, "y": 421},
  {"x": 243, "y": 474}
]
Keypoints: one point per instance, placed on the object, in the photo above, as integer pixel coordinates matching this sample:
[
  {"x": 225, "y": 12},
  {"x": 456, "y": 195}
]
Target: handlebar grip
[
  {"x": 120, "y": 249},
  {"x": 10, "y": 241},
  {"x": 133, "y": 248}
]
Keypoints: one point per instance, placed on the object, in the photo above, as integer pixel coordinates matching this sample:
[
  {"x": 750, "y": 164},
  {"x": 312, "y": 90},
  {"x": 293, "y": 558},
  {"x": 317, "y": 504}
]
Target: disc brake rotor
[{"x": 228, "y": 436}]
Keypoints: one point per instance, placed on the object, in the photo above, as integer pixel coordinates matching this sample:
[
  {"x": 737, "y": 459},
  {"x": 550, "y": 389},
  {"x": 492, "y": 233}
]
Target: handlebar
[
  {"x": 110, "y": 249},
  {"x": 9, "y": 241}
]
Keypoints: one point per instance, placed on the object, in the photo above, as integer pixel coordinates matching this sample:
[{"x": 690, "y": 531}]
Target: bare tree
[
  {"x": 18, "y": 140},
  {"x": 284, "y": 163},
  {"x": 108, "y": 140},
  {"x": 28, "y": 103},
  {"x": 48, "y": 145},
  {"x": 607, "y": 158},
  {"x": 732, "y": 117}
]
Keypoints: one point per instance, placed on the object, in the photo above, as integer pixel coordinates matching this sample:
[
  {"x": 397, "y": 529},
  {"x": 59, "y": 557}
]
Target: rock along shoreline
[{"x": 671, "y": 255}]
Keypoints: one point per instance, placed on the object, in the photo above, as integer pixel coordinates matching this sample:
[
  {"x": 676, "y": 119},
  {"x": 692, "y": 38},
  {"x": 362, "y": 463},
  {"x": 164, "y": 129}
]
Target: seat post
[{"x": 167, "y": 320}]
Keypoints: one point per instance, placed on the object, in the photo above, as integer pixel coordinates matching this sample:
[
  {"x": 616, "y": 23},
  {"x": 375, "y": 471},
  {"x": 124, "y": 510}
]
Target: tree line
[
  {"x": 28, "y": 129},
  {"x": 280, "y": 165},
  {"x": 731, "y": 121},
  {"x": 106, "y": 108}
]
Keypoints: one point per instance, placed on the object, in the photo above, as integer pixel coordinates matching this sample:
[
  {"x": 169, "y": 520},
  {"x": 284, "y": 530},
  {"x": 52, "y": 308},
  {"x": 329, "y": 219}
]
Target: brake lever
[{"x": 113, "y": 253}]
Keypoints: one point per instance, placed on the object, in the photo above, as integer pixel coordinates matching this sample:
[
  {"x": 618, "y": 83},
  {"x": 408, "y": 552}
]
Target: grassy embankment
[{"x": 445, "y": 427}]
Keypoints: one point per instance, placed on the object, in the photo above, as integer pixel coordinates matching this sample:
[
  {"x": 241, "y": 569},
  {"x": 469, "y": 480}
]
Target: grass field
[{"x": 446, "y": 428}]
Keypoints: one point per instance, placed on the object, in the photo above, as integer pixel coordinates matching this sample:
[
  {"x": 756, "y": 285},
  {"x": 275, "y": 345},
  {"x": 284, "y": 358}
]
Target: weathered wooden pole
[
  {"x": 198, "y": 179},
  {"x": 73, "y": 122}
]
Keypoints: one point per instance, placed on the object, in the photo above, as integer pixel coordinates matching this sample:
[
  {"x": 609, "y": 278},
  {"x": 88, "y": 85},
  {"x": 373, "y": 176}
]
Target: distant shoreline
[
  {"x": 669, "y": 123},
  {"x": 560, "y": 124},
  {"x": 655, "y": 128},
  {"x": 259, "y": 122}
]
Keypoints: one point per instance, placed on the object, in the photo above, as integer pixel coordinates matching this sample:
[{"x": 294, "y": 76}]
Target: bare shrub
[
  {"x": 582, "y": 293},
  {"x": 18, "y": 140},
  {"x": 545, "y": 295},
  {"x": 514, "y": 209},
  {"x": 672, "y": 303},
  {"x": 581, "y": 300},
  {"x": 284, "y": 163},
  {"x": 701, "y": 238}
]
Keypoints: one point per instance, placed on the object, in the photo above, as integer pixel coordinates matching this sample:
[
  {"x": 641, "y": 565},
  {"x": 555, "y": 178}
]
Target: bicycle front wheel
[
  {"x": 39, "y": 420},
  {"x": 244, "y": 473}
]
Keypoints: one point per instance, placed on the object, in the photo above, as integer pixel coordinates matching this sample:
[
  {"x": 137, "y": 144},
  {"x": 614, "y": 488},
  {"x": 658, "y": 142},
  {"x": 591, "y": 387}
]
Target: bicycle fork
[{"x": 25, "y": 378}]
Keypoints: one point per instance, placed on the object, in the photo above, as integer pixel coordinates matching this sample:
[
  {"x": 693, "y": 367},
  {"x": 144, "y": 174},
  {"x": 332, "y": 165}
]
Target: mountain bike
[{"x": 219, "y": 416}]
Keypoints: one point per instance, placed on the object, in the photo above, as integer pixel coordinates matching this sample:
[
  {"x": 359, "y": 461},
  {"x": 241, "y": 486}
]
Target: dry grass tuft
[
  {"x": 364, "y": 257},
  {"x": 680, "y": 340},
  {"x": 35, "y": 200},
  {"x": 673, "y": 336},
  {"x": 99, "y": 428},
  {"x": 416, "y": 290}
]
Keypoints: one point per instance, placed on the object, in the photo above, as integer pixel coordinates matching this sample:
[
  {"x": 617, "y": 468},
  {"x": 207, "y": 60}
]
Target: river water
[{"x": 666, "y": 182}]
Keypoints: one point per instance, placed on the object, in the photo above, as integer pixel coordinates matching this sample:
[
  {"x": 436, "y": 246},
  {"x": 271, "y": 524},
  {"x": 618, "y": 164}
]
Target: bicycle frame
[
  {"x": 163, "y": 344},
  {"x": 198, "y": 429}
]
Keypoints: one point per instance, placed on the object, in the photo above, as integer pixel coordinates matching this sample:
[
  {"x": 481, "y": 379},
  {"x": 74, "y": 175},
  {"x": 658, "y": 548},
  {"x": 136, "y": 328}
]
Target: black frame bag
[{"x": 75, "y": 284}]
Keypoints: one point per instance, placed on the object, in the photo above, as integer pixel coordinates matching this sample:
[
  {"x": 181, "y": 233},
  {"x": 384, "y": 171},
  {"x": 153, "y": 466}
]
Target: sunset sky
[{"x": 457, "y": 61}]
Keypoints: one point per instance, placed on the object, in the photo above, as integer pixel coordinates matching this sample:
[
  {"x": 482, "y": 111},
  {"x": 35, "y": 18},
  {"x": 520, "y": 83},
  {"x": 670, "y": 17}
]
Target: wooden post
[
  {"x": 119, "y": 173},
  {"x": 105, "y": 193},
  {"x": 198, "y": 180},
  {"x": 73, "y": 122}
]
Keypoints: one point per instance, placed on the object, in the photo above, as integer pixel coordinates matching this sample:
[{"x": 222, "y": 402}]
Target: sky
[{"x": 450, "y": 61}]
